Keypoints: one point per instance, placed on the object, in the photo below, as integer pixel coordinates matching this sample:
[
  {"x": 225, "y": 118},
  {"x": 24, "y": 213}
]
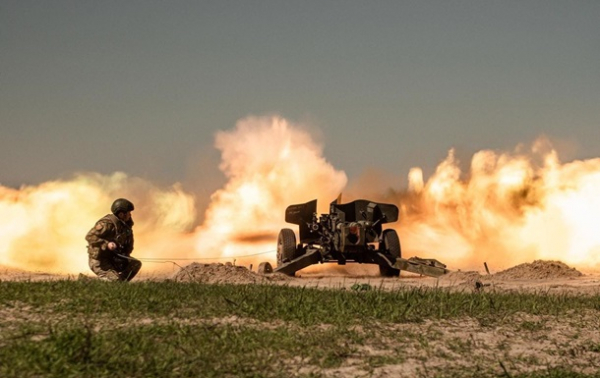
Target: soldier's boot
[
  {"x": 109, "y": 275},
  {"x": 105, "y": 270},
  {"x": 133, "y": 267}
]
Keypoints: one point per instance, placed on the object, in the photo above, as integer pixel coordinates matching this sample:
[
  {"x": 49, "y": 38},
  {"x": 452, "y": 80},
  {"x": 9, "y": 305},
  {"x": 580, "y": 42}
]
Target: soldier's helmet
[{"x": 121, "y": 205}]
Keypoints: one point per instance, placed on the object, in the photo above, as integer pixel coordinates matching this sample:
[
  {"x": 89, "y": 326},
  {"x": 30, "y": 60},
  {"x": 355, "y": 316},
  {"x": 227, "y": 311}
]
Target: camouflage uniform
[{"x": 107, "y": 264}]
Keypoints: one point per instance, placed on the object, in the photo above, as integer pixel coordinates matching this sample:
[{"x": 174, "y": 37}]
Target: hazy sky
[{"x": 142, "y": 86}]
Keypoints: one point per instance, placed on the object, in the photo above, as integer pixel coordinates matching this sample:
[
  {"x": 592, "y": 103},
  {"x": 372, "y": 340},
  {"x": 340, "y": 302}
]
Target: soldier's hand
[{"x": 112, "y": 246}]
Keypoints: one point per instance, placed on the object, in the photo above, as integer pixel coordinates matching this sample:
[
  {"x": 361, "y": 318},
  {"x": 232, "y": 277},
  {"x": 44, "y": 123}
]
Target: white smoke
[{"x": 270, "y": 164}]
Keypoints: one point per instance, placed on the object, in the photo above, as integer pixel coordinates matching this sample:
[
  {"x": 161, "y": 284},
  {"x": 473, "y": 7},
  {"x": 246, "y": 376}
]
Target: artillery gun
[{"x": 350, "y": 233}]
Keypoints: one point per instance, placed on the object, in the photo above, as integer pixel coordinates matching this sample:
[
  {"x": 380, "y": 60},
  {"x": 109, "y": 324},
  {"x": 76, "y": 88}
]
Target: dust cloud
[
  {"x": 270, "y": 163},
  {"x": 43, "y": 227},
  {"x": 508, "y": 208}
]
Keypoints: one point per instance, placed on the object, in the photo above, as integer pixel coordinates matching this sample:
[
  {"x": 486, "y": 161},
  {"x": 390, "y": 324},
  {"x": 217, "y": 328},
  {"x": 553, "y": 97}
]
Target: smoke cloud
[
  {"x": 270, "y": 163},
  {"x": 43, "y": 227},
  {"x": 508, "y": 208}
]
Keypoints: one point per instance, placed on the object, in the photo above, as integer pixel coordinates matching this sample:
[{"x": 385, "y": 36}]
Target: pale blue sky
[{"x": 142, "y": 86}]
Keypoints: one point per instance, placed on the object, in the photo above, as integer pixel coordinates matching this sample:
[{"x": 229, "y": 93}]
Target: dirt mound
[
  {"x": 220, "y": 273},
  {"x": 539, "y": 269}
]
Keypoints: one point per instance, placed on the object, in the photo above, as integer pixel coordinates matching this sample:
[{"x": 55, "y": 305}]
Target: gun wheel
[
  {"x": 286, "y": 246},
  {"x": 265, "y": 268},
  {"x": 390, "y": 245}
]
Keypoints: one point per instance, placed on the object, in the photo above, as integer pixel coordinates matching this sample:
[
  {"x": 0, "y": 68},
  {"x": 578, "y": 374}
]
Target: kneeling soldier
[{"x": 110, "y": 243}]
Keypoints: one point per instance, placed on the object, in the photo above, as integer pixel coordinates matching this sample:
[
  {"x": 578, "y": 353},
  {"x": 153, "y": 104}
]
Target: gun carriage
[{"x": 350, "y": 233}]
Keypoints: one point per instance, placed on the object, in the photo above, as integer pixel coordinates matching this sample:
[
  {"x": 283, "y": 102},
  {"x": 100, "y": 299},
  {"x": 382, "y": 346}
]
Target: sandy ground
[{"x": 538, "y": 276}]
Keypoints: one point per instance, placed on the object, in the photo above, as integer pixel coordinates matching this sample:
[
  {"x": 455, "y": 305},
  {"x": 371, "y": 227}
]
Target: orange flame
[
  {"x": 510, "y": 207},
  {"x": 508, "y": 210},
  {"x": 271, "y": 164},
  {"x": 43, "y": 227}
]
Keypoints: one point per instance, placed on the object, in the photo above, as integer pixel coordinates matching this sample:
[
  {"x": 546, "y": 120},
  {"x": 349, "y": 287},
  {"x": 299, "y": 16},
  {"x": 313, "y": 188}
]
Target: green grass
[
  {"x": 171, "y": 350},
  {"x": 101, "y": 329},
  {"x": 271, "y": 302}
]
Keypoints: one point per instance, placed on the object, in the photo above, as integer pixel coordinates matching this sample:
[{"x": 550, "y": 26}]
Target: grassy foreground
[{"x": 168, "y": 329}]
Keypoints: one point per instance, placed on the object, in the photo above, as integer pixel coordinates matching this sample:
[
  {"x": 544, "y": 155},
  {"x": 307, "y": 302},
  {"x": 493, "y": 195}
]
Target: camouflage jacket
[{"x": 110, "y": 229}]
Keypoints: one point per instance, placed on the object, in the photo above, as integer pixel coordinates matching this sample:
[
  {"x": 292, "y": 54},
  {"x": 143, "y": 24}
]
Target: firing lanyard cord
[{"x": 163, "y": 260}]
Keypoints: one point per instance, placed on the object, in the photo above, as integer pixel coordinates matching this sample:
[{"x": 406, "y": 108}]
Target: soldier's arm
[
  {"x": 128, "y": 249},
  {"x": 100, "y": 235}
]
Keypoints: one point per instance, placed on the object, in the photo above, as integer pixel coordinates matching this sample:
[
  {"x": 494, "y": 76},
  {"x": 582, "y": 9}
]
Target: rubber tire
[
  {"x": 265, "y": 268},
  {"x": 392, "y": 250},
  {"x": 286, "y": 246}
]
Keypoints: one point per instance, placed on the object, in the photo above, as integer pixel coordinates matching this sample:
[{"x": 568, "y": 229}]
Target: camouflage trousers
[{"x": 115, "y": 269}]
